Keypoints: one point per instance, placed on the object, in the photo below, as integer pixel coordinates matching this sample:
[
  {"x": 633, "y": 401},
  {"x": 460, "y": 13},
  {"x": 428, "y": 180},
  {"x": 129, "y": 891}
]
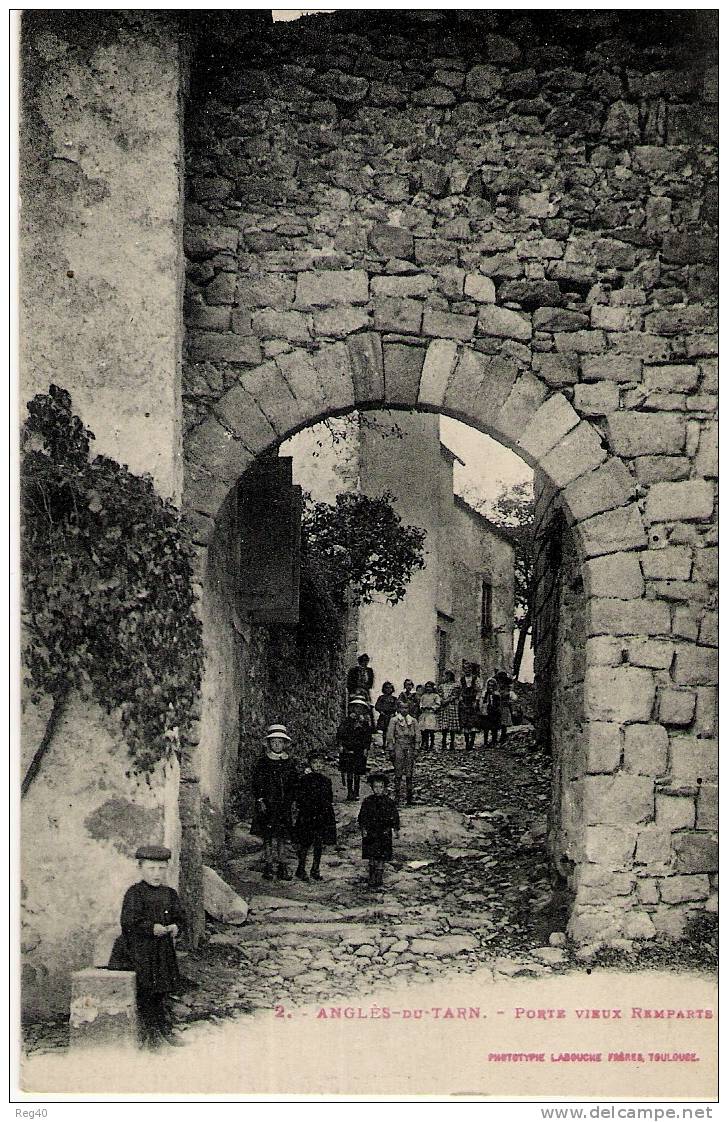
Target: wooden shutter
[{"x": 269, "y": 527}]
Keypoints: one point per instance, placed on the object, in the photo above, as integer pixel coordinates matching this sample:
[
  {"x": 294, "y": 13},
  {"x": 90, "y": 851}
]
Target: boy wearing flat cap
[
  {"x": 378, "y": 817},
  {"x": 151, "y": 920}
]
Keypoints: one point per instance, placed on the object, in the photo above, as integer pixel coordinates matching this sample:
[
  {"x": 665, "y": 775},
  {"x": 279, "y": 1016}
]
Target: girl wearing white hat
[{"x": 274, "y": 781}]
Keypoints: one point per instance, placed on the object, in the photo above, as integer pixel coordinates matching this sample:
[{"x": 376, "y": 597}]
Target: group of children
[
  {"x": 451, "y": 707},
  {"x": 294, "y": 804}
]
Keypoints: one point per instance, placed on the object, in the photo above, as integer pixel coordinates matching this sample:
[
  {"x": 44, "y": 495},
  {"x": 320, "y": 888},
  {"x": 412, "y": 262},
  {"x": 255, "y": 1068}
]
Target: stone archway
[{"x": 610, "y": 784}]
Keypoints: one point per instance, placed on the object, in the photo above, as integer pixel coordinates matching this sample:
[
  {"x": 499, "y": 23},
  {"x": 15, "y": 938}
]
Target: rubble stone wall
[{"x": 509, "y": 219}]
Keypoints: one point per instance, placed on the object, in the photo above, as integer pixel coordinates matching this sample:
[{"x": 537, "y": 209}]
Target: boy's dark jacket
[
  {"x": 152, "y": 957},
  {"x": 378, "y": 816},
  {"x": 274, "y": 782},
  {"x": 315, "y": 802}
]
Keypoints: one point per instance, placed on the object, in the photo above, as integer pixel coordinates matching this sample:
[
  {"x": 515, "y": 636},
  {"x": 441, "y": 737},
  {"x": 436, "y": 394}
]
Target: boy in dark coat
[
  {"x": 274, "y": 782},
  {"x": 354, "y": 738},
  {"x": 378, "y": 817},
  {"x": 316, "y": 823},
  {"x": 151, "y": 920}
]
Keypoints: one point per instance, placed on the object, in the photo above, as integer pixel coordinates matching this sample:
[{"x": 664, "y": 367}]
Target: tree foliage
[
  {"x": 107, "y": 585},
  {"x": 513, "y": 511},
  {"x": 360, "y": 547}
]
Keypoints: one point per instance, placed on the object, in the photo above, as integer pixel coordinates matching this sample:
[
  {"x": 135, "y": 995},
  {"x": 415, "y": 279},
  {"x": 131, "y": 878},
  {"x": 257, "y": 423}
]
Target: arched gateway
[{"x": 612, "y": 789}]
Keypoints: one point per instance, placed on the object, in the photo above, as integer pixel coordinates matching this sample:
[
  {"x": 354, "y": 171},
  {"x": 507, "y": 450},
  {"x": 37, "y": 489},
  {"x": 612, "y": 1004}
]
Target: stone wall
[
  {"x": 509, "y": 219},
  {"x": 101, "y": 283},
  {"x": 255, "y": 676}
]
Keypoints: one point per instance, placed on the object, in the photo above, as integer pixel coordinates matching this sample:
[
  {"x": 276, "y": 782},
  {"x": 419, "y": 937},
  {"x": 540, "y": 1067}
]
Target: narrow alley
[{"x": 468, "y": 886}]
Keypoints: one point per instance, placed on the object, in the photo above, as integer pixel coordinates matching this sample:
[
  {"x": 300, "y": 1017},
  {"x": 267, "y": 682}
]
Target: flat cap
[{"x": 153, "y": 853}]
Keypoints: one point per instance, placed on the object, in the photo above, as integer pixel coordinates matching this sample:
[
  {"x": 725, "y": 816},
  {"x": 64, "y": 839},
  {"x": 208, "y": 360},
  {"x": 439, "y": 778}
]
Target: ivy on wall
[{"x": 107, "y": 588}]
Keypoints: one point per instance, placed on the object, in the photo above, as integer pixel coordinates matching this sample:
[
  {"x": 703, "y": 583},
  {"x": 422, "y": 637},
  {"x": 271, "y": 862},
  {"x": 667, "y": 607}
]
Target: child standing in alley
[
  {"x": 402, "y": 737},
  {"x": 378, "y": 818},
  {"x": 429, "y": 704},
  {"x": 151, "y": 920},
  {"x": 274, "y": 782},
  {"x": 354, "y": 737},
  {"x": 386, "y": 707},
  {"x": 316, "y": 824}
]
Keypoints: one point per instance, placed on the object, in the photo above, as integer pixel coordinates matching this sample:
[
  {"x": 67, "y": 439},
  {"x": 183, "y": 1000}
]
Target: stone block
[
  {"x": 695, "y": 853},
  {"x": 206, "y": 241},
  {"x": 604, "y": 650},
  {"x": 482, "y": 82},
  {"x": 328, "y": 289},
  {"x": 617, "y": 799},
  {"x": 677, "y": 707},
  {"x": 706, "y": 461},
  {"x": 612, "y": 616},
  {"x": 340, "y": 321},
  {"x": 685, "y": 622},
  {"x": 480, "y": 385},
  {"x": 614, "y": 319},
  {"x": 391, "y": 241},
  {"x": 654, "y": 846},
  {"x": 647, "y": 890},
  {"x": 603, "y": 747},
  {"x": 578, "y": 452},
  {"x": 692, "y": 759},
  {"x": 333, "y": 363},
  {"x": 444, "y": 945},
  {"x": 680, "y": 889},
  {"x": 612, "y": 846},
  {"x": 559, "y": 319},
  {"x": 706, "y": 565},
  {"x": 198, "y": 317},
  {"x": 642, "y": 434},
  {"x": 292, "y": 326},
  {"x": 435, "y": 251},
  {"x": 672, "y": 563},
  {"x": 557, "y": 369},
  {"x": 661, "y": 469},
  {"x": 213, "y": 446},
  {"x": 268, "y": 388},
  {"x": 447, "y": 325},
  {"x": 479, "y": 288},
  {"x": 103, "y": 1008},
  {"x": 401, "y": 287},
  {"x": 619, "y": 694},
  {"x": 673, "y": 502},
  {"x": 580, "y": 342},
  {"x": 440, "y": 361},
  {"x": 504, "y": 323},
  {"x": 614, "y": 575},
  {"x": 706, "y": 711},
  {"x": 609, "y": 487},
  {"x": 221, "y": 901},
  {"x": 302, "y": 379},
  {"x": 645, "y": 749},
  {"x": 638, "y": 925},
  {"x": 611, "y": 367},
  {"x": 402, "y": 369},
  {"x": 520, "y": 407},
  {"x": 269, "y": 290},
  {"x": 367, "y": 365},
  {"x": 678, "y": 378},
  {"x": 671, "y": 921},
  {"x": 221, "y": 290},
  {"x": 213, "y": 346},
  {"x": 707, "y": 807},
  {"x": 654, "y": 653},
  {"x": 674, "y": 812},
  {"x": 612, "y": 531},
  {"x": 550, "y": 424},
  {"x": 696, "y": 666},
  {"x": 596, "y": 399},
  {"x": 403, "y": 316}
]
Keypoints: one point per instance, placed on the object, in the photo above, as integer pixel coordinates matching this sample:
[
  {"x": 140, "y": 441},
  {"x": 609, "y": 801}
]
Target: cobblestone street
[{"x": 468, "y": 887}]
